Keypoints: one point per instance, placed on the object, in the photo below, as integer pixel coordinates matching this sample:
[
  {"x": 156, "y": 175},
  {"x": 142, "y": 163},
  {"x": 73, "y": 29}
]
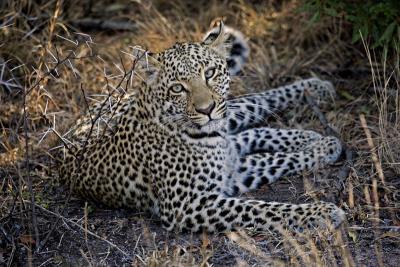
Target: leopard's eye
[
  {"x": 208, "y": 74},
  {"x": 177, "y": 88}
]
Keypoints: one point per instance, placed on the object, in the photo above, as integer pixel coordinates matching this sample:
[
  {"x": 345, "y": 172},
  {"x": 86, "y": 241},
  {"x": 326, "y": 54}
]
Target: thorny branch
[
  {"x": 57, "y": 62},
  {"x": 82, "y": 150}
]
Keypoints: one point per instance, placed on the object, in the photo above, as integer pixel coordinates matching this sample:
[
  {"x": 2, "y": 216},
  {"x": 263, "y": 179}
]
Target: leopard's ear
[
  {"x": 148, "y": 65},
  {"x": 239, "y": 48},
  {"x": 218, "y": 40}
]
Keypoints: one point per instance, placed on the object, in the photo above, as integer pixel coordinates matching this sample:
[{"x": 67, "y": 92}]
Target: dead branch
[
  {"x": 87, "y": 104},
  {"x": 104, "y": 25},
  {"x": 344, "y": 171},
  {"x": 28, "y": 170}
]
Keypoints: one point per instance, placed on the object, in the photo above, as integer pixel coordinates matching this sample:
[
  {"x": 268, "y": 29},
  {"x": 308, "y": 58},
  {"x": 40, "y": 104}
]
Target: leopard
[{"x": 181, "y": 149}]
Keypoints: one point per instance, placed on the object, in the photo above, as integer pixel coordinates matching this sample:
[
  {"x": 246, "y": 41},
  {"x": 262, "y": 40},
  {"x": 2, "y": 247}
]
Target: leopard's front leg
[
  {"x": 254, "y": 170},
  {"x": 213, "y": 212},
  {"x": 250, "y": 110}
]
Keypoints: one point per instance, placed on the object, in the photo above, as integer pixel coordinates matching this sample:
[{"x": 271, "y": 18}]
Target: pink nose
[{"x": 207, "y": 110}]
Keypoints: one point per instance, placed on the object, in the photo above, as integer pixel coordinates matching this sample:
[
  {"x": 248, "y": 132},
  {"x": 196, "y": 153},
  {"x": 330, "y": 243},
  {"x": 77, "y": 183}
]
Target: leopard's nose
[{"x": 207, "y": 110}]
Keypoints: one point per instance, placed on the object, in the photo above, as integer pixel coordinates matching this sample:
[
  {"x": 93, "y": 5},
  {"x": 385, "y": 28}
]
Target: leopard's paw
[
  {"x": 319, "y": 215},
  {"x": 319, "y": 89},
  {"x": 328, "y": 149},
  {"x": 325, "y": 216}
]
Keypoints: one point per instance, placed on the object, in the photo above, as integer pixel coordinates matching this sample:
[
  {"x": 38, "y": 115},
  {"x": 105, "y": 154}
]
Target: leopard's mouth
[{"x": 203, "y": 120}]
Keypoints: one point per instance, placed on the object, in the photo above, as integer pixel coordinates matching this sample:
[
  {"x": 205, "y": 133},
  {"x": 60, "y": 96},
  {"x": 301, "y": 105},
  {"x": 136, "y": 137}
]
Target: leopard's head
[{"x": 188, "y": 84}]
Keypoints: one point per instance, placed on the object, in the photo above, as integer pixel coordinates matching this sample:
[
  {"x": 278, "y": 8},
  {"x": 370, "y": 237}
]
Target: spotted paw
[
  {"x": 321, "y": 90},
  {"x": 332, "y": 150},
  {"x": 324, "y": 215},
  {"x": 327, "y": 149}
]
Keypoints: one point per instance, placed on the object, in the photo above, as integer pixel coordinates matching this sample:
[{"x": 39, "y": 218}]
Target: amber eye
[
  {"x": 208, "y": 74},
  {"x": 177, "y": 88}
]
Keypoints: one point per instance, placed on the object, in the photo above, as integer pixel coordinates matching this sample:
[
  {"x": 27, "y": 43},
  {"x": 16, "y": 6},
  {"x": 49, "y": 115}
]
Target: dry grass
[{"x": 47, "y": 63}]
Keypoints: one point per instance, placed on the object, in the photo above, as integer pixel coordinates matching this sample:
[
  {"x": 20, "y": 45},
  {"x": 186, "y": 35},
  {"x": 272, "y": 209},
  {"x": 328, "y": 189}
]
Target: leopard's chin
[{"x": 214, "y": 125}]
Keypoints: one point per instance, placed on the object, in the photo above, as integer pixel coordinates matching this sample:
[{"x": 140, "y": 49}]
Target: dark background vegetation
[{"x": 55, "y": 56}]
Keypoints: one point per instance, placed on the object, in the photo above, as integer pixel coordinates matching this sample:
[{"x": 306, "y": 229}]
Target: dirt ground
[{"x": 41, "y": 224}]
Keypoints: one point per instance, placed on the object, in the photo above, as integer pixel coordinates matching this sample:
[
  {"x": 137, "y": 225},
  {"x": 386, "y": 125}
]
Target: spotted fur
[{"x": 180, "y": 149}]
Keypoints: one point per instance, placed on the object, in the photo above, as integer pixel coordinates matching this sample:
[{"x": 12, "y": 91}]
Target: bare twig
[
  {"x": 389, "y": 228},
  {"x": 28, "y": 170},
  {"x": 87, "y": 104}
]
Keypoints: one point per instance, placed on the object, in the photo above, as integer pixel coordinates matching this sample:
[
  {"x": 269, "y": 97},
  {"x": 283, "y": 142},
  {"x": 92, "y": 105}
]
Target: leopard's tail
[{"x": 239, "y": 48}]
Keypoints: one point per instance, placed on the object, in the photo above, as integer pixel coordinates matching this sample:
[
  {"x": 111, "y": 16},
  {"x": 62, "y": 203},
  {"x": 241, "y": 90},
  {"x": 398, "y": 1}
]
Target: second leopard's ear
[
  {"x": 148, "y": 66},
  {"x": 218, "y": 41}
]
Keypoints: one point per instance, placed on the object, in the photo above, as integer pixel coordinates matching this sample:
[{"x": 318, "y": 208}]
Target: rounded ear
[{"x": 218, "y": 40}]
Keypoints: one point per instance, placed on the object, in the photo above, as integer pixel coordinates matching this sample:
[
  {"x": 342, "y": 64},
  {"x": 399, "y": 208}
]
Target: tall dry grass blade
[{"x": 378, "y": 166}]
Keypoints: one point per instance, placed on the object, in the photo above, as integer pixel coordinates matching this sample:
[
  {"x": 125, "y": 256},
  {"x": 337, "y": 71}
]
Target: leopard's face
[{"x": 192, "y": 85}]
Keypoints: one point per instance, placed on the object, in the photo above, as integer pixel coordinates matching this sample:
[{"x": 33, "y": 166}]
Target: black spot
[
  {"x": 203, "y": 201},
  {"x": 242, "y": 169},
  {"x": 189, "y": 223},
  {"x": 199, "y": 219},
  {"x": 212, "y": 197},
  {"x": 232, "y": 124},
  {"x": 224, "y": 213},
  {"x": 231, "y": 63},
  {"x": 237, "y": 49},
  {"x": 246, "y": 218},
  {"x": 211, "y": 212},
  {"x": 270, "y": 214},
  {"x": 221, "y": 203},
  {"x": 272, "y": 171},
  {"x": 248, "y": 181},
  {"x": 230, "y": 218},
  {"x": 276, "y": 219},
  {"x": 189, "y": 211},
  {"x": 250, "y": 108},
  {"x": 239, "y": 209}
]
